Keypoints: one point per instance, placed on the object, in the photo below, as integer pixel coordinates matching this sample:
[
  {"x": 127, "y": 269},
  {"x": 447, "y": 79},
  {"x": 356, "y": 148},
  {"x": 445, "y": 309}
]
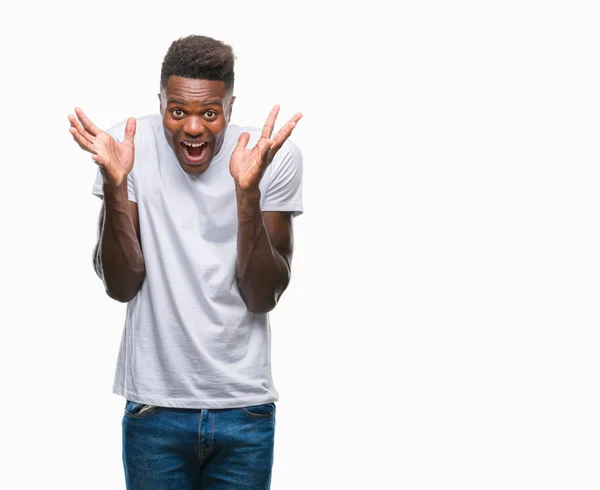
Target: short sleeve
[
  {"x": 284, "y": 188},
  {"x": 118, "y": 133}
]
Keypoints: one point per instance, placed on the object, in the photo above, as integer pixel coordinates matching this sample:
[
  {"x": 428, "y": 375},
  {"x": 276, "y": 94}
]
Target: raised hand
[
  {"x": 248, "y": 166},
  {"x": 115, "y": 159}
]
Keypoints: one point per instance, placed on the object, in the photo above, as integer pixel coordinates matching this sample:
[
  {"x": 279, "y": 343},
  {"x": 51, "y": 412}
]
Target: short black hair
[{"x": 199, "y": 57}]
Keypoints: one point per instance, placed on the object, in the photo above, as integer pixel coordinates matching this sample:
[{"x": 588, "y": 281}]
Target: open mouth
[{"x": 194, "y": 151}]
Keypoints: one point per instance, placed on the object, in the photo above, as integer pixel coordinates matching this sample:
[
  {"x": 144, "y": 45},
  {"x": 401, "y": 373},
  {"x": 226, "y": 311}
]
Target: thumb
[
  {"x": 242, "y": 141},
  {"x": 130, "y": 129}
]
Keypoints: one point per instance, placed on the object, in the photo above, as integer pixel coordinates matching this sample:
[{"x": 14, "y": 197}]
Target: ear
[{"x": 160, "y": 103}]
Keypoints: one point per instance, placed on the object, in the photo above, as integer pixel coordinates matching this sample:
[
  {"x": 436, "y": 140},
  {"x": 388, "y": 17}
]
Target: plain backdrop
[{"x": 441, "y": 330}]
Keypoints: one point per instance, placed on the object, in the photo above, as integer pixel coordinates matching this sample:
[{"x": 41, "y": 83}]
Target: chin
[{"x": 194, "y": 169}]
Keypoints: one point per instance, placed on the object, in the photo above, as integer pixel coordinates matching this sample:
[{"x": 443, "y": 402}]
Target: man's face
[{"x": 195, "y": 115}]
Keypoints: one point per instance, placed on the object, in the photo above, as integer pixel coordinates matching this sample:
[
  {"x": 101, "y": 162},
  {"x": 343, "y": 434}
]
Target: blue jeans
[{"x": 185, "y": 449}]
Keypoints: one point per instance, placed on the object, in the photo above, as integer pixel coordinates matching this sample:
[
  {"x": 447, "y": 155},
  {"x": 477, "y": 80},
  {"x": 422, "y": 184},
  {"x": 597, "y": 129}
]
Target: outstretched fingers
[
  {"x": 283, "y": 134},
  {"x": 242, "y": 142},
  {"x": 270, "y": 124},
  {"x": 88, "y": 125},
  {"x": 264, "y": 147},
  {"x": 130, "y": 130},
  {"x": 80, "y": 135},
  {"x": 80, "y": 139}
]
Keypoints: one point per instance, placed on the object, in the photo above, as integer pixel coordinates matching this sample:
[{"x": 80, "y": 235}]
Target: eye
[
  {"x": 210, "y": 114},
  {"x": 177, "y": 113}
]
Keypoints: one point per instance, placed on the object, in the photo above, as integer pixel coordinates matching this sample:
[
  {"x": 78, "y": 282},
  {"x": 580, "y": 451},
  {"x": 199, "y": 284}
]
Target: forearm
[
  {"x": 262, "y": 273},
  {"x": 119, "y": 261}
]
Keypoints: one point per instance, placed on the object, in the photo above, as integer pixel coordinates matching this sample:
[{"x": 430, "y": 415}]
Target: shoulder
[
  {"x": 147, "y": 127},
  {"x": 290, "y": 150},
  {"x": 288, "y": 160},
  {"x": 234, "y": 131},
  {"x": 148, "y": 134}
]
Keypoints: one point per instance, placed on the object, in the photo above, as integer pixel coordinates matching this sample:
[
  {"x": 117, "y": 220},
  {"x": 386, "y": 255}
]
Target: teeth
[{"x": 194, "y": 145}]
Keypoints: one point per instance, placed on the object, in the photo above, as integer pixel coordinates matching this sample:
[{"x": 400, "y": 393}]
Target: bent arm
[
  {"x": 118, "y": 257},
  {"x": 264, "y": 252}
]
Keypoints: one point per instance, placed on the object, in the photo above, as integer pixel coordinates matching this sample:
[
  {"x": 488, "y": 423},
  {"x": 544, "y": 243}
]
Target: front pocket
[
  {"x": 136, "y": 410},
  {"x": 259, "y": 411}
]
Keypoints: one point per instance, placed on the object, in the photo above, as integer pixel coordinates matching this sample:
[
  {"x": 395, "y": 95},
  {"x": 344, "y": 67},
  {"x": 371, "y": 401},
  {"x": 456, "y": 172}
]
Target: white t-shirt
[{"x": 189, "y": 340}]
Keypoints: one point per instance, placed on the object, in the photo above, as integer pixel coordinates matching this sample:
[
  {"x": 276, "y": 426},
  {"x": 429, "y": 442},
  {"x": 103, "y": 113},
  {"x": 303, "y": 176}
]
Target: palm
[
  {"x": 247, "y": 166},
  {"x": 115, "y": 159}
]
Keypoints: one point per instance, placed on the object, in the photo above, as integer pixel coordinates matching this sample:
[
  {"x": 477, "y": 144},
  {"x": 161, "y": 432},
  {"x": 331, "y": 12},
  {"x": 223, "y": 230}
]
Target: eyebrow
[
  {"x": 176, "y": 101},
  {"x": 213, "y": 102},
  {"x": 206, "y": 102}
]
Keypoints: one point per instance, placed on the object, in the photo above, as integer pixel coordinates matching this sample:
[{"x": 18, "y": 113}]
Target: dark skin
[
  {"x": 118, "y": 257},
  {"x": 195, "y": 114},
  {"x": 265, "y": 239}
]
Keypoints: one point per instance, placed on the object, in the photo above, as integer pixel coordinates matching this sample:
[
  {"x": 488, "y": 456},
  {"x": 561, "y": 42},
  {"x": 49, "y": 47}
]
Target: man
[{"x": 195, "y": 235}]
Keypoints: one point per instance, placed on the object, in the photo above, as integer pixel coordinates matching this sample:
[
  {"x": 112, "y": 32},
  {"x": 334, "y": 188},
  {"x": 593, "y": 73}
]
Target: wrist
[
  {"x": 248, "y": 205},
  {"x": 111, "y": 181},
  {"x": 115, "y": 193},
  {"x": 249, "y": 195}
]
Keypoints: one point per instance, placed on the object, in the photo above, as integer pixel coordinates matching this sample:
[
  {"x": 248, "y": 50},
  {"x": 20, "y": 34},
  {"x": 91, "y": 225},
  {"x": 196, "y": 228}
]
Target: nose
[{"x": 193, "y": 126}]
